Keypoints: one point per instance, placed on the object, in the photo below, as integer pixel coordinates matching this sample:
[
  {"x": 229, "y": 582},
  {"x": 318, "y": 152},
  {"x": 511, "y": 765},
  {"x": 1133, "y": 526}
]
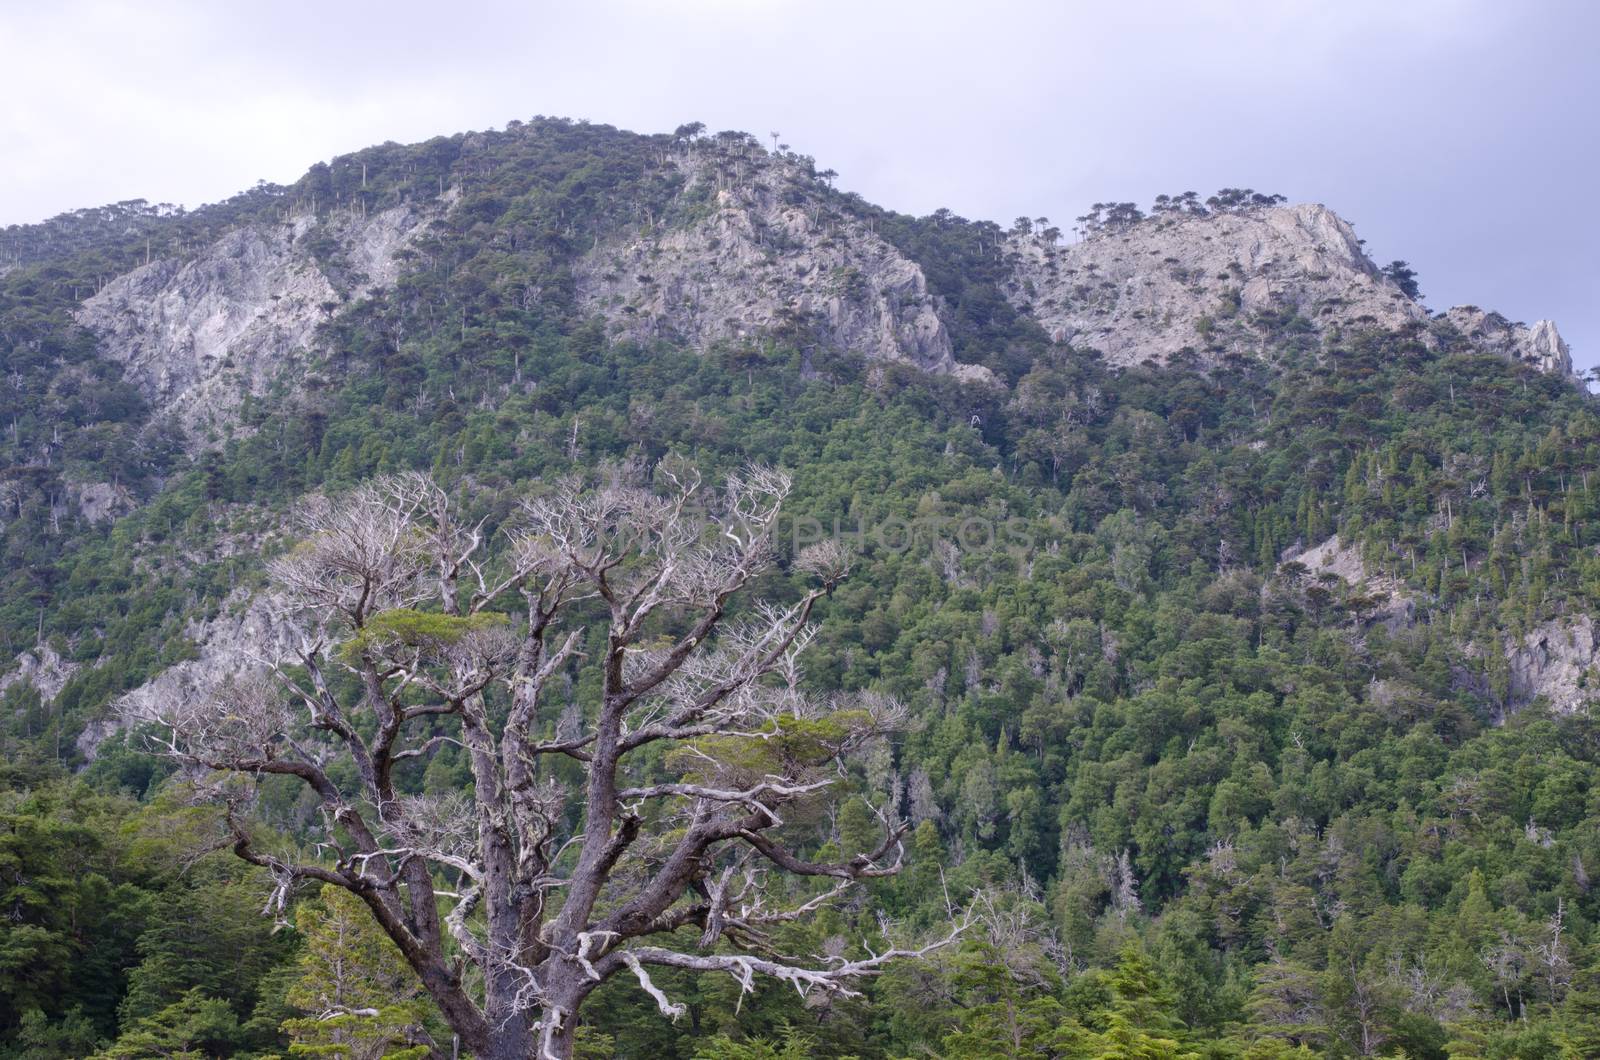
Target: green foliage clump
[
  {"x": 424, "y": 631},
  {"x": 359, "y": 997}
]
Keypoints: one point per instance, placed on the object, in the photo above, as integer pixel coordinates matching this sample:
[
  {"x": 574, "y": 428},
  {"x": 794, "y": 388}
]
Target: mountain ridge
[
  {"x": 741, "y": 246},
  {"x": 752, "y": 243}
]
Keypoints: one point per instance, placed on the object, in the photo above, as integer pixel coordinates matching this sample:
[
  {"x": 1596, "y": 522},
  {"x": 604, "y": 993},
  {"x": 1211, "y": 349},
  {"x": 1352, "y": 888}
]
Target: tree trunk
[
  {"x": 566, "y": 987},
  {"x": 513, "y": 1041}
]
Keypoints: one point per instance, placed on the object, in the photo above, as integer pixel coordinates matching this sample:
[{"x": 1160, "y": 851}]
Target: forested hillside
[{"x": 1247, "y": 689}]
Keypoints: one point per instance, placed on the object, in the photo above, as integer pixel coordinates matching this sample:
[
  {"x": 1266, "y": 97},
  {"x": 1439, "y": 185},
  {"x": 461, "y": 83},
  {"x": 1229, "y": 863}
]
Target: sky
[{"x": 1460, "y": 135}]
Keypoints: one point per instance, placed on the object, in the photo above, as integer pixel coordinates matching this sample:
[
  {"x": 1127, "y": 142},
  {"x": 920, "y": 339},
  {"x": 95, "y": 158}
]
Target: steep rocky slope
[
  {"x": 1222, "y": 283},
  {"x": 1165, "y": 284},
  {"x": 1540, "y": 346},
  {"x": 761, "y": 252},
  {"x": 1559, "y": 661},
  {"x": 238, "y": 640},
  {"x": 755, "y": 244},
  {"x": 1388, "y": 599},
  {"x": 42, "y": 668},
  {"x": 199, "y": 335}
]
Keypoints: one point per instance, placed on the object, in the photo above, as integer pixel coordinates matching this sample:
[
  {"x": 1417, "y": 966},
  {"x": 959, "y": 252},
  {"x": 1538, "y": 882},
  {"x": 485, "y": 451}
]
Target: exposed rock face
[
  {"x": 245, "y": 632},
  {"x": 44, "y": 669},
  {"x": 1559, "y": 661},
  {"x": 197, "y": 336},
  {"x": 100, "y": 502},
  {"x": 1198, "y": 282},
  {"x": 1336, "y": 558},
  {"x": 373, "y": 244},
  {"x": 1393, "y": 604},
  {"x": 768, "y": 256},
  {"x": 1171, "y": 283},
  {"x": 1540, "y": 346}
]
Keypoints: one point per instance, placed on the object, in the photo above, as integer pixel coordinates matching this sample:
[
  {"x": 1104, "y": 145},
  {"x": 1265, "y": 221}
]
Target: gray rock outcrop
[
  {"x": 44, "y": 669},
  {"x": 1220, "y": 283},
  {"x": 1174, "y": 283},
  {"x": 199, "y": 335},
  {"x": 100, "y": 502},
  {"x": 1559, "y": 661},
  {"x": 1540, "y": 346},
  {"x": 1391, "y": 602},
  {"x": 765, "y": 255},
  {"x": 240, "y": 639}
]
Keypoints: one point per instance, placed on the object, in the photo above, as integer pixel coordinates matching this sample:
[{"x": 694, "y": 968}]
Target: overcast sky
[{"x": 1461, "y": 135}]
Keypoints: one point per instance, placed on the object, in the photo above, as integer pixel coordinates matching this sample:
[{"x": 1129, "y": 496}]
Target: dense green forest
[{"x": 1228, "y": 808}]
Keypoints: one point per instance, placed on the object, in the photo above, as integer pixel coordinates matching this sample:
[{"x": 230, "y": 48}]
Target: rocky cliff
[
  {"x": 757, "y": 250},
  {"x": 198, "y": 335},
  {"x": 43, "y": 668},
  {"x": 1333, "y": 562},
  {"x": 1560, "y": 662},
  {"x": 1234, "y": 282},
  {"x": 1202, "y": 283},
  {"x": 1540, "y": 346},
  {"x": 241, "y": 638}
]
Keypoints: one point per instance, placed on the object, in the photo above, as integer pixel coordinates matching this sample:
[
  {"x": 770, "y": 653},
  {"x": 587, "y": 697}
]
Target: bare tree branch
[{"x": 449, "y": 636}]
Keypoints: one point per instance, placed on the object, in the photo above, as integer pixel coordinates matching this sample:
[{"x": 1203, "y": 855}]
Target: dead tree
[{"x": 512, "y": 905}]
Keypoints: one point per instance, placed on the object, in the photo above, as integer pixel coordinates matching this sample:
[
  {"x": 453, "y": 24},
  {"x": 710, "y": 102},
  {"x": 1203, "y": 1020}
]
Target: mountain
[
  {"x": 196, "y": 334},
  {"x": 752, "y": 247},
  {"x": 725, "y": 241},
  {"x": 1242, "y": 605},
  {"x": 1223, "y": 282}
]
